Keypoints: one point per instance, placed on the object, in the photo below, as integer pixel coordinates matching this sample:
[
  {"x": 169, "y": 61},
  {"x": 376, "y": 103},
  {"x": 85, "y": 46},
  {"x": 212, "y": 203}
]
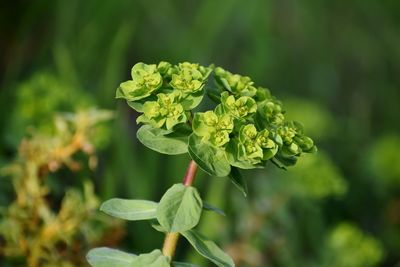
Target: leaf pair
[
  {"x": 179, "y": 210},
  {"x": 107, "y": 257}
]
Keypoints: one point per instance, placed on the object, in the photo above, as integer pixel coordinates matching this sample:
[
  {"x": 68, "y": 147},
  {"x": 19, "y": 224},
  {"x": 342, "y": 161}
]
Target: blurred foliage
[
  {"x": 384, "y": 159},
  {"x": 316, "y": 177},
  {"x": 336, "y": 63},
  {"x": 341, "y": 243},
  {"x": 32, "y": 228},
  {"x": 320, "y": 122},
  {"x": 37, "y": 99}
]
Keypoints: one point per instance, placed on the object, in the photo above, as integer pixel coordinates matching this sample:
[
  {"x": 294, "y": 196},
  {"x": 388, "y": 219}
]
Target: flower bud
[
  {"x": 271, "y": 111},
  {"x": 163, "y": 67},
  {"x": 235, "y": 83},
  {"x": 247, "y": 132}
]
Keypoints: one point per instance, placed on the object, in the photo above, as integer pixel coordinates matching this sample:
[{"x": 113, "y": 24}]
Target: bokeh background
[{"x": 334, "y": 64}]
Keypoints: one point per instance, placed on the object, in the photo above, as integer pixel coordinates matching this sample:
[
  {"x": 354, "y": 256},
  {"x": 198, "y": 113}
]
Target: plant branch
[{"x": 171, "y": 239}]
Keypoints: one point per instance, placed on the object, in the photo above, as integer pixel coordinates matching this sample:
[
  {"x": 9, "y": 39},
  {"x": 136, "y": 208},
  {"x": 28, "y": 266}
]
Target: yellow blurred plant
[{"x": 32, "y": 229}]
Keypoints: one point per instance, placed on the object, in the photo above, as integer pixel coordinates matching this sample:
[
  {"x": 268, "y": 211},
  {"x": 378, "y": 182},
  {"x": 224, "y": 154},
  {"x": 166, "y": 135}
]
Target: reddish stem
[{"x": 190, "y": 174}]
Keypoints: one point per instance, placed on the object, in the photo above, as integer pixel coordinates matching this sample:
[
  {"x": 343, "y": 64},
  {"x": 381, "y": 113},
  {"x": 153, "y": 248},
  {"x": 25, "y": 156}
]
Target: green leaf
[
  {"x": 183, "y": 264},
  {"x": 180, "y": 208},
  {"x": 210, "y": 159},
  {"x": 153, "y": 259},
  {"x": 238, "y": 180},
  {"x": 278, "y": 163},
  {"x": 192, "y": 100},
  {"x": 119, "y": 93},
  {"x": 283, "y": 161},
  {"x": 222, "y": 82},
  {"x": 208, "y": 249},
  {"x": 181, "y": 129},
  {"x": 132, "y": 210},
  {"x": 107, "y": 257},
  {"x": 136, "y": 105},
  {"x": 158, "y": 227},
  {"x": 232, "y": 156},
  {"x": 214, "y": 95},
  {"x": 287, "y": 160},
  {"x": 210, "y": 207},
  {"x": 160, "y": 141}
]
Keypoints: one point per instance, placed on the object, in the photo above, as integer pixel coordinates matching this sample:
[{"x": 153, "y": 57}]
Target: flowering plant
[{"x": 245, "y": 129}]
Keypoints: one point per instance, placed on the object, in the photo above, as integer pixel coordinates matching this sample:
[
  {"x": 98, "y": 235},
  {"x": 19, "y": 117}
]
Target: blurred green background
[{"x": 334, "y": 64}]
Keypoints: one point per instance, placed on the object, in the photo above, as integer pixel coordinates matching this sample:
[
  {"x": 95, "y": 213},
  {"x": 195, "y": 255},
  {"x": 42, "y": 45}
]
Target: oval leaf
[
  {"x": 138, "y": 106},
  {"x": 208, "y": 249},
  {"x": 157, "y": 140},
  {"x": 238, "y": 180},
  {"x": 193, "y": 100},
  {"x": 107, "y": 257},
  {"x": 129, "y": 209},
  {"x": 180, "y": 208},
  {"x": 158, "y": 227},
  {"x": 231, "y": 153},
  {"x": 210, "y": 207},
  {"x": 210, "y": 159},
  {"x": 153, "y": 259},
  {"x": 183, "y": 264}
]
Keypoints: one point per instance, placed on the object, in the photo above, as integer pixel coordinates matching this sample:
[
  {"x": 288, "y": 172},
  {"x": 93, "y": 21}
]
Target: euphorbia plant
[{"x": 246, "y": 129}]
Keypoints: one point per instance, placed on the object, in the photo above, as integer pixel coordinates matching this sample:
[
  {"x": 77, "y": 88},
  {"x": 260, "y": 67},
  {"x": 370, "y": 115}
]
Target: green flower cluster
[
  {"x": 166, "y": 112},
  {"x": 189, "y": 78},
  {"x": 235, "y": 83},
  {"x": 260, "y": 131},
  {"x": 214, "y": 127},
  {"x": 252, "y": 147},
  {"x": 247, "y": 125},
  {"x": 164, "y": 93},
  {"x": 145, "y": 80},
  {"x": 270, "y": 112},
  {"x": 242, "y": 107}
]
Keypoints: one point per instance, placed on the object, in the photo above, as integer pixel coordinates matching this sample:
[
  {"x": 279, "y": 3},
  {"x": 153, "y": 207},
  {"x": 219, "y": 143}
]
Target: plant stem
[
  {"x": 170, "y": 242},
  {"x": 171, "y": 239},
  {"x": 190, "y": 174}
]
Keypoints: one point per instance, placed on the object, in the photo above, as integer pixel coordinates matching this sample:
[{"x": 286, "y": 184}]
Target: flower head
[
  {"x": 241, "y": 107},
  {"x": 189, "y": 78},
  {"x": 262, "y": 94},
  {"x": 164, "y": 68},
  {"x": 213, "y": 127},
  {"x": 271, "y": 111},
  {"x": 294, "y": 141},
  {"x": 145, "y": 80},
  {"x": 166, "y": 112},
  {"x": 235, "y": 83},
  {"x": 252, "y": 146}
]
